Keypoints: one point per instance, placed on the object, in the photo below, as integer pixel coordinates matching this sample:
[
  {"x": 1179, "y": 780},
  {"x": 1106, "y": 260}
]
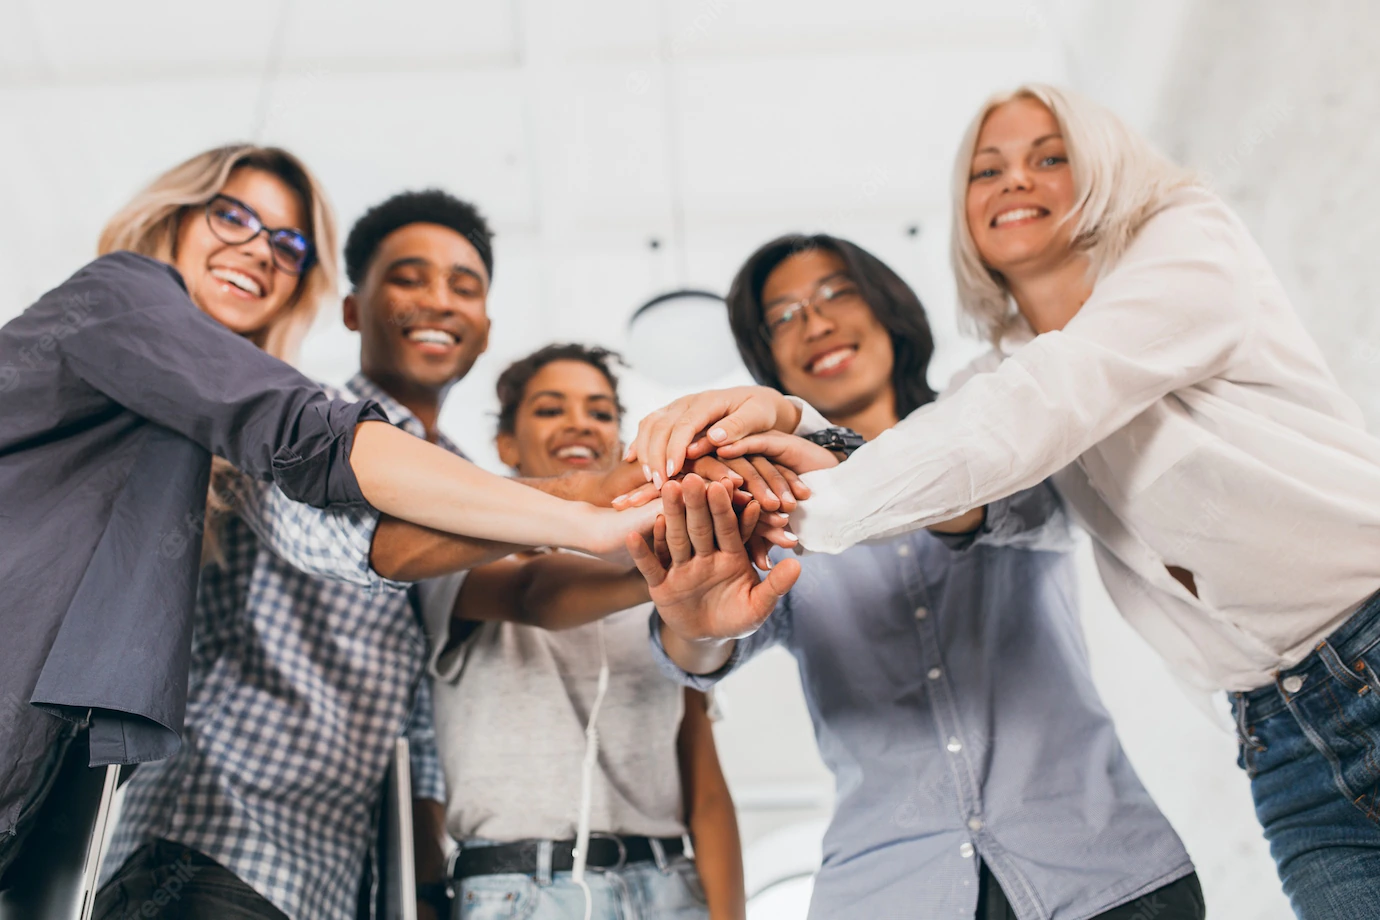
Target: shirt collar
[{"x": 397, "y": 413}]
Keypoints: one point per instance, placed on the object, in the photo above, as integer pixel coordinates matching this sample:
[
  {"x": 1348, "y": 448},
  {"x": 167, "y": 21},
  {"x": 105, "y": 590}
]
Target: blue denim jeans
[
  {"x": 641, "y": 891},
  {"x": 168, "y": 881},
  {"x": 1310, "y": 743}
]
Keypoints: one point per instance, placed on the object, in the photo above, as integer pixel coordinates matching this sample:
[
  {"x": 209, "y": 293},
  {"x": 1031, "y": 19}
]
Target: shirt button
[
  {"x": 1293, "y": 683},
  {"x": 974, "y": 824},
  {"x": 921, "y": 613},
  {"x": 954, "y": 745},
  {"x": 935, "y": 674},
  {"x": 966, "y": 851},
  {"x": 903, "y": 550}
]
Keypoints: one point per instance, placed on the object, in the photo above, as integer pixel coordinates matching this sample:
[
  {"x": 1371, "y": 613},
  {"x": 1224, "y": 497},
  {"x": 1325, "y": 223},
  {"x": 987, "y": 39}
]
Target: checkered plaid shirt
[{"x": 306, "y": 666}]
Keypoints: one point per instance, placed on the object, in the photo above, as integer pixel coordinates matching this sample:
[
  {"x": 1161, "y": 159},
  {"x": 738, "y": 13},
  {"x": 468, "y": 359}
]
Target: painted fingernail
[
  {"x": 670, "y": 468},
  {"x": 717, "y": 434},
  {"x": 621, "y": 498},
  {"x": 647, "y": 472},
  {"x": 656, "y": 480},
  {"x": 790, "y": 536},
  {"x": 628, "y": 454},
  {"x": 787, "y": 496}
]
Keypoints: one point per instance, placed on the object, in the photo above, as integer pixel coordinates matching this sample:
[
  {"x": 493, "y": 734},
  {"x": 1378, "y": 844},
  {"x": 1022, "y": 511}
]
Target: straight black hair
[{"x": 889, "y": 298}]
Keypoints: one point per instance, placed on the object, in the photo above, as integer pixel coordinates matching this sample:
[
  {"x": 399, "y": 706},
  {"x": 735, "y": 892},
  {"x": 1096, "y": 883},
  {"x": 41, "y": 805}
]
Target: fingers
[
  {"x": 663, "y": 552},
  {"x": 755, "y": 483},
  {"x": 725, "y": 522},
  {"x": 645, "y": 559},
  {"x": 798, "y": 454},
  {"x": 637, "y": 497},
  {"x": 797, "y": 485},
  {"x": 699, "y": 522},
  {"x": 772, "y": 476},
  {"x": 758, "y": 551},
  {"x": 747, "y": 521},
  {"x": 677, "y": 533}
]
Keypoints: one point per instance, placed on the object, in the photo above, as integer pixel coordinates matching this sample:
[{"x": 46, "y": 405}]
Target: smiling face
[
  {"x": 1021, "y": 190},
  {"x": 567, "y": 420},
  {"x": 421, "y": 308},
  {"x": 240, "y": 285},
  {"x": 840, "y": 359}
]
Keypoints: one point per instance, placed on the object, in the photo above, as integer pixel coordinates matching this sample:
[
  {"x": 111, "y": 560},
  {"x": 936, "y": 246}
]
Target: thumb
[{"x": 780, "y": 578}]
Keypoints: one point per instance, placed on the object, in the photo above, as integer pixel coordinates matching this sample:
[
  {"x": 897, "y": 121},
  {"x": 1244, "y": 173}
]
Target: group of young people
[{"x": 252, "y": 585}]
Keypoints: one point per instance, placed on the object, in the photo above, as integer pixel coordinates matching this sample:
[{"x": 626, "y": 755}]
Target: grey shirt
[
  {"x": 951, "y": 698},
  {"x": 115, "y": 391},
  {"x": 511, "y": 706}
]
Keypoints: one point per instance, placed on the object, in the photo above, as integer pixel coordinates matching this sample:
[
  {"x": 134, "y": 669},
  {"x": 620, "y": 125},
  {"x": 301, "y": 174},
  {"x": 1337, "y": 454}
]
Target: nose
[
  {"x": 817, "y": 325},
  {"x": 258, "y": 249},
  {"x": 1017, "y": 178}
]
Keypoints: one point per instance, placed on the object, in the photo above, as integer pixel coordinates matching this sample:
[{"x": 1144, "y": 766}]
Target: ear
[
  {"x": 484, "y": 336},
  {"x": 507, "y": 450},
  {"x": 349, "y": 312}
]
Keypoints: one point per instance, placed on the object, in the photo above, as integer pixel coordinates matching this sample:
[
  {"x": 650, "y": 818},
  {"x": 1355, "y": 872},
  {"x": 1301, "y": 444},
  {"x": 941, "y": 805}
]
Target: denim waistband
[{"x": 1352, "y": 639}]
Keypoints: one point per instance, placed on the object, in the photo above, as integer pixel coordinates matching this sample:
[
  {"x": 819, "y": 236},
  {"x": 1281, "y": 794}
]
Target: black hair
[
  {"x": 890, "y": 299},
  {"x": 429, "y": 206},
  {"x": 512, "y": 383}
]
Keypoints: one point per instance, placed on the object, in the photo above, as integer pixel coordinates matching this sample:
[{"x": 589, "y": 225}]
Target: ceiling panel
[
  {"x": 81, "y": 41},
  {"x": 372, "y": 135}
]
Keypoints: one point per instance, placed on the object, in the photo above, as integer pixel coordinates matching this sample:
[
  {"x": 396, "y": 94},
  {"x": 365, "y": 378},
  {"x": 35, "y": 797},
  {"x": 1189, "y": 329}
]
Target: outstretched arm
[
  {"x": 550, "y": 590},
  {"x": 709, "y": 813}
]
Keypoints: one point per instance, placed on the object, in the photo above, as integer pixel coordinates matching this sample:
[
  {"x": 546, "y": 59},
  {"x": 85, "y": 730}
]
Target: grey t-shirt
[{"x": 511, "y": 707}]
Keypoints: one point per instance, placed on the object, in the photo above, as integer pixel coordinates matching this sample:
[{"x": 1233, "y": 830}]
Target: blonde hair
[
  {"x": 1119, "y": 181},
  {"x": 149, "y": 225}
]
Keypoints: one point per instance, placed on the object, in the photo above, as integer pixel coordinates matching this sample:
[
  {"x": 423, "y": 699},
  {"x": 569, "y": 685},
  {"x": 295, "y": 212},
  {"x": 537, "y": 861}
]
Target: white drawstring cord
[{"x": 577, "y": 873}]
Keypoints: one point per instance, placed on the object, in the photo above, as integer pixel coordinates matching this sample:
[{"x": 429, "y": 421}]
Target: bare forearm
[
  {"x": 696, "y": 656},
  {"x": 710, "y": 816},
  {"x": 409, "y": 552},
  {"x": 966, "y": 522},
  {"x": 565, "y": 592},
  {"x": 410, "y": 479},
  {"x": 428, "y": 839}
]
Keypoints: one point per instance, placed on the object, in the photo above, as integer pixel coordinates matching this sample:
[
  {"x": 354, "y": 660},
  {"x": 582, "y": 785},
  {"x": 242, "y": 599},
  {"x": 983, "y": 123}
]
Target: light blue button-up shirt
[{"x": 948, "y": 683}]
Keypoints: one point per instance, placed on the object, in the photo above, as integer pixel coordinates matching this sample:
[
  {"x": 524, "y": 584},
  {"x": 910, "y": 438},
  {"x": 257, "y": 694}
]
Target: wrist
[{"x": 787, "y": 414}]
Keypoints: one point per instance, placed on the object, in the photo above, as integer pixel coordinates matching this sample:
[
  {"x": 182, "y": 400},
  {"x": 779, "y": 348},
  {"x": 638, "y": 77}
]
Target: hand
[
  {"x": 664, "y": 436},
  {"x": 782, "y": 449},
  {"x": 708, "y": 590},
  {"x": 775, "y": 486},
  {"x": 608, "y": 531}
]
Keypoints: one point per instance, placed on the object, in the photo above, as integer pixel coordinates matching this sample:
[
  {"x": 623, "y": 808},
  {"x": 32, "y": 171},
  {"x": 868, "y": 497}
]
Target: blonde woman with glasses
[
  {"x": 1148, "y": 360},
  {"x": 120, "y": 385}
]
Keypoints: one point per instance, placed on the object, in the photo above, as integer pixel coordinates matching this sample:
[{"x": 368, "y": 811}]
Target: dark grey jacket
[{"x": 115, "y": 391}]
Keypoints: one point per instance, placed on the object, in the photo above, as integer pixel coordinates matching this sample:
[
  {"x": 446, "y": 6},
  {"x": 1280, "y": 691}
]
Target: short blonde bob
[
  {"x": 149, "y": 225},
  {"x": 1119, "y": 180}
]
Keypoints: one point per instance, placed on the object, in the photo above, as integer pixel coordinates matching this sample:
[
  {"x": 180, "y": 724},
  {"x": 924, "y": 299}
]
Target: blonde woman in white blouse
[{"x": 1146, "y": 358}]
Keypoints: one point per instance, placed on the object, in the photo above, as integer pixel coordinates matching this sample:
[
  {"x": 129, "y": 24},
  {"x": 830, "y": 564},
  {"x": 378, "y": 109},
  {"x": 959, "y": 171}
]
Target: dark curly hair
[
  {"x": 891, "y": 300},
  {"x": 512, "y": 383},
  {"x": 429, "y": 206}
]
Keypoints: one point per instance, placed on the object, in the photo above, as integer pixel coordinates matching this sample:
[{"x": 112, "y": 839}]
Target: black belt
[{"x": 606, "y": 851}]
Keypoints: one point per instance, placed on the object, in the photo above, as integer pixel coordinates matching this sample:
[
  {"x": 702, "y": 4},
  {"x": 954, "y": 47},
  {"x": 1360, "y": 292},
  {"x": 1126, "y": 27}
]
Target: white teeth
[
  {"x": 239, "y": 280},
  {"x": 831, "y": 360},
  {"x": 434, "y": 336},
  {"x": 1018, "y": 214},
  {"x": 575, "y": 450}
]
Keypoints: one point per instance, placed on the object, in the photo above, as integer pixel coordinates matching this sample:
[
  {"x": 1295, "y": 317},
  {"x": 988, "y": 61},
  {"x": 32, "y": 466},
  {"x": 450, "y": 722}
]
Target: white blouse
[{"x": 1187, "y": 419}]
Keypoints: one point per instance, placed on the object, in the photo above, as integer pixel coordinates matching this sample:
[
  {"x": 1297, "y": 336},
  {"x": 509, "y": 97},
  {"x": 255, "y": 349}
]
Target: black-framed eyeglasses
[
  {"x": 784, "y": 317},
  {"x": 236, "y": 223}
]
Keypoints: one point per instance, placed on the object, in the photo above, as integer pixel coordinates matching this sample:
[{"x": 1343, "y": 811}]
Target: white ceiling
[{"x": 585, "y": 131}]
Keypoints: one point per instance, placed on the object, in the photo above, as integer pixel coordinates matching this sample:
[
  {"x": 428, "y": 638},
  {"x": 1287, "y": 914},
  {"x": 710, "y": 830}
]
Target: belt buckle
[{"x": 622, "y": 850}]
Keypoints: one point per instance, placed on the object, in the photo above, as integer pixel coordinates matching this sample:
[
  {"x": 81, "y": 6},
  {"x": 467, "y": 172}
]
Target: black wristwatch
[
  {"x": 842, "y": 441},
  {"x": 438, "y": 895}
]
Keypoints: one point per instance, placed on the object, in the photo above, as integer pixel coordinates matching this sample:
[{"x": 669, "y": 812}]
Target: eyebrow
[
  {"x": 559, "y": 395},
  {"x": 1038, "y": 142},
  {"x": 409, "y": 261},
  {"x": 786, "y": 298}
]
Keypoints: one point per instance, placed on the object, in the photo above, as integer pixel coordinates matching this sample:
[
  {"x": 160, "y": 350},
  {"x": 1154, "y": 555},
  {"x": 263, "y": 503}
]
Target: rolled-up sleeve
[
  {"x": 428, "y": 779},
  {"x": 143, "y": 343},
  {"x": 1173, "y": 312}
]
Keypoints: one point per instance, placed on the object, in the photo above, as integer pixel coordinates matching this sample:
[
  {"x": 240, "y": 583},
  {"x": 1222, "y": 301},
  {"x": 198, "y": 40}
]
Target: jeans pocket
[
  {"x": 495, "y": 897},
  {"x": 1345, "y": 715}
]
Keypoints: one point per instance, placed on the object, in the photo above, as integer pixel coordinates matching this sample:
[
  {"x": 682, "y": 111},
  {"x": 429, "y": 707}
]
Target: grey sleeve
[
  {"x": 745, "y": 649},
  {"x": 1033, "y": 518},
  {"x": 145, "y": 345}
]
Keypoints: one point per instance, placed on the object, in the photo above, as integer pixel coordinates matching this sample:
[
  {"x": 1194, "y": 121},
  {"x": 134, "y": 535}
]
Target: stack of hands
[{"x": 726, "y": 472}]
